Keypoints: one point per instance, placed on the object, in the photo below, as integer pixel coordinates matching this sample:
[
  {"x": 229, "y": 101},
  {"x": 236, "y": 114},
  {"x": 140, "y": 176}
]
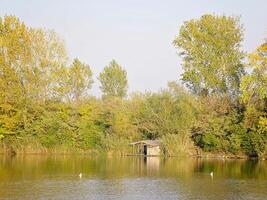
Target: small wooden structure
[{"x": 146, "y": 147}]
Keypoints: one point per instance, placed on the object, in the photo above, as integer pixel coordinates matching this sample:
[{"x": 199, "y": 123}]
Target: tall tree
[
  {"x": 210, "y": 50},
  {"x": 254, "y": 87},
  {"x": 113, "y": 80},
  {"x": 254, "y": 97},
  {"x": 49, "y": 58},
  {"x": 28, "y": 59},
  {"x": 79, "y": 80}
]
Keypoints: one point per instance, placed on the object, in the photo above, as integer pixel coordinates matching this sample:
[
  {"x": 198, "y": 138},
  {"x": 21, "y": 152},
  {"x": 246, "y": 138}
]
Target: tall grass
[{"x": 178, "y": 145}]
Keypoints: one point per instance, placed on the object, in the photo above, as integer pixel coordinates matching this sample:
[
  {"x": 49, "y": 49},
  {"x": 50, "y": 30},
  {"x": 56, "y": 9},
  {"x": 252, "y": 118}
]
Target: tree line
[{"x": 46, "y": 104}]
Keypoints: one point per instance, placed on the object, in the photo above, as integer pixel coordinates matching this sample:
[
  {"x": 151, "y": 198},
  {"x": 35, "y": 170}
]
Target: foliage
[
  {"x": 210, "y": 49},
  {"x": 79, "y": 80},
  {"x": 113, "y": 80},
  {"x": 177, "y": 144},
  {"x": 254, "y": 85},
  {"x": 254, "y": 97},
  {"x": 45, "y": 103},
  {"x": 169, "y": 112}
]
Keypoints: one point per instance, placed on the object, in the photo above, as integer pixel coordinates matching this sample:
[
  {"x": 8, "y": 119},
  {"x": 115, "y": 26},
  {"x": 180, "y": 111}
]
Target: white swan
[{"x": 211, "y": 174}]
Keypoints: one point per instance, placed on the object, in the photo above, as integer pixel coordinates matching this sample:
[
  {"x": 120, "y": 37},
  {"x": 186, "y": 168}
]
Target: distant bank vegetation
[{"x": 46, "y": 105}]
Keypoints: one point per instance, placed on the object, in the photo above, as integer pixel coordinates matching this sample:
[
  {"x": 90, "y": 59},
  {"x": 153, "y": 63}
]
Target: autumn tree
[
  {"x": 113, "y": 80},
  {"x": 15, "y": 63},
  {"x": 254, "y": 97},
  {"x": 49, "y": 59},
  {"x": 211, "y": 54},
  {"x": 9, "y": 81},
  {"x": 254, "y": 85},
  {"x": 28, "y": 59}
]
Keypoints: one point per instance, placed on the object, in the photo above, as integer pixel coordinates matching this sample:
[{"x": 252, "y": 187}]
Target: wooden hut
[{"x": 146, "y": 147}]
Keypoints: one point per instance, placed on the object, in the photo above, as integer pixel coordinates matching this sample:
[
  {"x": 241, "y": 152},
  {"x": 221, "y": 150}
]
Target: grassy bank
[{"x": 169, "y": 148}]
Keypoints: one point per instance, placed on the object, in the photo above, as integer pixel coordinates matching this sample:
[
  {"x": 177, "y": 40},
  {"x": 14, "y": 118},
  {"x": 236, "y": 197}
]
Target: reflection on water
[{"x": 56, "y": 177}]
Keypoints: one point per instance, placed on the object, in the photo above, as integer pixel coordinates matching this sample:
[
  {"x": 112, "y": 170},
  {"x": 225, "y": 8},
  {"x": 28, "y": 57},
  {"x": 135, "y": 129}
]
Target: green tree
[
  {"x": 113, "y": 80},
  {"x": 79, "y": 80},
  {"x": 218, "y": 126},
  {"x": 210, "y": 50}
]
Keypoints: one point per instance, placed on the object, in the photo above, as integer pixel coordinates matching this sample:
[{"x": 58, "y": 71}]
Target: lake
[{"x": 103, "y": 177}]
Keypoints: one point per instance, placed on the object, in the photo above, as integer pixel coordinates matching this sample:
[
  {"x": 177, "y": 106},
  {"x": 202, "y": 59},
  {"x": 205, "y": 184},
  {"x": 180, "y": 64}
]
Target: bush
[
  {"x": 208, "y": 141},
  {"x": 254, "y": 143}
]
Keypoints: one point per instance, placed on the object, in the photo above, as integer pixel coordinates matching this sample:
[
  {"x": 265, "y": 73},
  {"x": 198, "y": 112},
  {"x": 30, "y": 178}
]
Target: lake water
[{"x": 57, "y": 177}]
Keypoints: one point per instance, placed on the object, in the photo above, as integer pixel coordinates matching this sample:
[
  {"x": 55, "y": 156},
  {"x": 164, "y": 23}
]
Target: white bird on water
[
  {"x": 211, "y": 174},
  {"x": 80, "y": 175}
]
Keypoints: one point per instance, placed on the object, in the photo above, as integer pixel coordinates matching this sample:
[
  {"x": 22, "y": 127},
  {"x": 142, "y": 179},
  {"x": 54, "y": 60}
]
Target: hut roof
[{"x": 147, "y": 142}]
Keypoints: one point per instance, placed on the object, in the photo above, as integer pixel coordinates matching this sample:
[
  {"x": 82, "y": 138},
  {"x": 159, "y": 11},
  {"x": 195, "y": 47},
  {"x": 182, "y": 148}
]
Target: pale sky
[{"x": 138, "y": 34}]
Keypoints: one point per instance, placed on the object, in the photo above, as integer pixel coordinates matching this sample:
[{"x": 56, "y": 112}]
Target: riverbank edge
[{"x": 93, "y": 152}]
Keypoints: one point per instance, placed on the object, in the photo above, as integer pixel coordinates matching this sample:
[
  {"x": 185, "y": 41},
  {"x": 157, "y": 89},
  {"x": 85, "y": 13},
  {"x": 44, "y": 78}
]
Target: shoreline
[
  {"x": 10, "y": 150},
  {"x": 213, "y": 156}
]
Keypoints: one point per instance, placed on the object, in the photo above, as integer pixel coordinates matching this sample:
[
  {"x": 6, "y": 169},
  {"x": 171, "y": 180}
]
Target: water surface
[{"x": 56, "y": 177}]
